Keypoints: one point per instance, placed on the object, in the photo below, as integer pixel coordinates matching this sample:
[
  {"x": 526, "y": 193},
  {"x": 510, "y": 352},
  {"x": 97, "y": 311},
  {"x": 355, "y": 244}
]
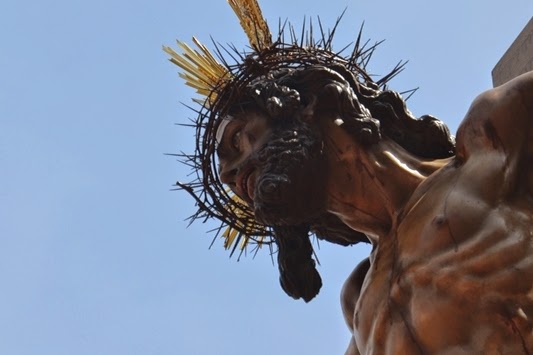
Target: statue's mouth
[{"x": 246, "y": 184}]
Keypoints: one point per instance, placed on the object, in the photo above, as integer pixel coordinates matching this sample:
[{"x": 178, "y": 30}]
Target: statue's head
[
  {"x": 267, "y": 135},
  {"x": 259, "y": 160}
]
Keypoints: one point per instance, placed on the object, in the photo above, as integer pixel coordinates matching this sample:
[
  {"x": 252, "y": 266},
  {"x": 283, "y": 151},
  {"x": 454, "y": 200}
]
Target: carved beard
[{"x": 290, "y": 187}]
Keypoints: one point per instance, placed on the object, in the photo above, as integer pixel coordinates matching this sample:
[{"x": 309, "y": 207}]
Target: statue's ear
[{"x": 308, "y": 112}]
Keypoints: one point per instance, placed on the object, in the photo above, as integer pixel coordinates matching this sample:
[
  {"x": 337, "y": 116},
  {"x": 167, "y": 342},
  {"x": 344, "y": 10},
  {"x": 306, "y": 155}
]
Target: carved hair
[{"x": 368, "y": 112}]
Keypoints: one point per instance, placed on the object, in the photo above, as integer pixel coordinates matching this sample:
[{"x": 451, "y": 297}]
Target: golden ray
[
  {"x": 201, "y": 69},
  {"x": 252, "y": 22},
  {"x": 231, "y": 234}
]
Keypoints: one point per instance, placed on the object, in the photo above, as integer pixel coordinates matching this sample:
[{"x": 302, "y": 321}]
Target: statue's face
[
  {"x": 275, "y": 166},
  {"x": 239, "y": 138}
]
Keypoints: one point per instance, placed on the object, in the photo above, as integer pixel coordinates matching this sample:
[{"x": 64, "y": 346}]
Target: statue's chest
[{"x": 456, "y": 275}]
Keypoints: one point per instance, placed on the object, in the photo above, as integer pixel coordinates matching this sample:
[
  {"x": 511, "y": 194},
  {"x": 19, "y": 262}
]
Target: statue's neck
[{"x": 369, "y": 187}]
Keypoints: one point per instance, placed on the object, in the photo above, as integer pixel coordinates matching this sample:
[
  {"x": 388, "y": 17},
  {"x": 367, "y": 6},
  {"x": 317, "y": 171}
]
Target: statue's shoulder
[
  {"x": 496, "y": 133},
  {"x": 499, "y": 119}
]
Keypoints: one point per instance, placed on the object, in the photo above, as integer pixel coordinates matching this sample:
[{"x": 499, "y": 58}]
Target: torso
[{"x": 455, "y": 278}]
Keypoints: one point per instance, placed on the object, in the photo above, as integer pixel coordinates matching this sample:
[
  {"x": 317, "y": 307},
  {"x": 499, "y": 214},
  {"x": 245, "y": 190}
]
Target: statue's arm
[
  {"x": 496, "y": 135},
  {"x": 349, "y": 297}
]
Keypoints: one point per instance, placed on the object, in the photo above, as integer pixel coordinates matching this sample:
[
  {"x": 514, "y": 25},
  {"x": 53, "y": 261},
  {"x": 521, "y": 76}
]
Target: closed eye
[{"x": 236, "y": 139}]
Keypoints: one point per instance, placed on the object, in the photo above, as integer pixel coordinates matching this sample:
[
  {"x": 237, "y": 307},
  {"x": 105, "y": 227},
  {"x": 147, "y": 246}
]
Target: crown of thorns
[{"x": 222, "y": 84}]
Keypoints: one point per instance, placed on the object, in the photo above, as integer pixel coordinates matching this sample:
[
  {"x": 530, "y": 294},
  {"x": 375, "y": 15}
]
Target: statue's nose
[{"x": 228, "y": 176}]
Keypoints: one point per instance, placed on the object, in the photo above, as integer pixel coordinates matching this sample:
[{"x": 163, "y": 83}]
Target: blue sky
[{"x": 95, "y": 255}]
